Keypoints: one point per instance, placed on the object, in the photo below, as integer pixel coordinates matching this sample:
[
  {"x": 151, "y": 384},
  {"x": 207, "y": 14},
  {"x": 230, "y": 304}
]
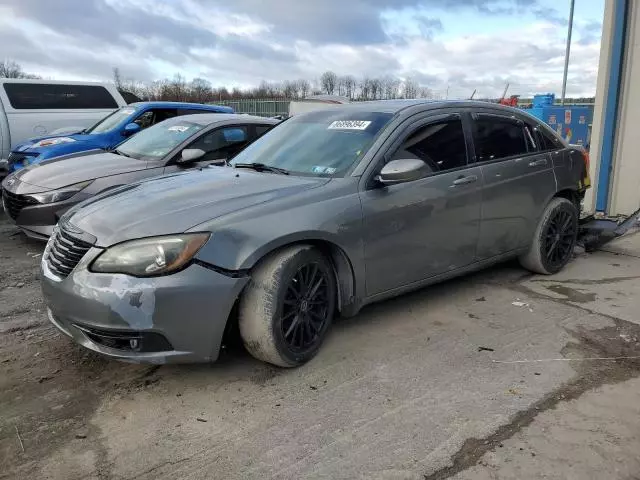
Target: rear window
[
  {"x": 498, "y": 137},
  {"x": 35, "y": 96}
]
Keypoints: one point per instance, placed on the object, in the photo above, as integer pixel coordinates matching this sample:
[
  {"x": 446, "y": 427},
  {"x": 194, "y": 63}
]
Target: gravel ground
[{"x": 454, "y": 381}]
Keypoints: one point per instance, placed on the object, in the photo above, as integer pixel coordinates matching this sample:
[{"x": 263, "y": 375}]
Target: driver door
[{"x": 426, "y": 227}]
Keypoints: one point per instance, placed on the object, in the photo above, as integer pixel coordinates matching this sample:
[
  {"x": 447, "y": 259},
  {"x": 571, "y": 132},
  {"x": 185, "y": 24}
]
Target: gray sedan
[
  {"x": 37, "y": 196},
  {"x": 327, "y": 212}
]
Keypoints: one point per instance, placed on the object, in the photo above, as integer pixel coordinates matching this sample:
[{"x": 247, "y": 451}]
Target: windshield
[
  {"x": 112, "y": 120},
  {"x": 325, "y": 143},
  {"x": 155, "y": 142}
]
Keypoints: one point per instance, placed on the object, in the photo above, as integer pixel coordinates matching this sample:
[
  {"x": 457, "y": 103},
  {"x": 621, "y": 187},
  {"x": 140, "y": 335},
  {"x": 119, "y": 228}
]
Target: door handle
[
  {"x": 538, "y": 163},
  {"x": 464, "y": 180}
]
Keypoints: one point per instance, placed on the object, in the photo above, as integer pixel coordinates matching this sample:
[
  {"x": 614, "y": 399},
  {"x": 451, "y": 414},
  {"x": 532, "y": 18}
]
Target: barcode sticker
[{"x": 349, "y": 125}]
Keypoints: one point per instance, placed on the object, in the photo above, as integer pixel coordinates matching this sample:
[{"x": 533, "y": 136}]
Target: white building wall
[
  {"x": 624, "y": 192},
  {"x": 625, "y": 186}
]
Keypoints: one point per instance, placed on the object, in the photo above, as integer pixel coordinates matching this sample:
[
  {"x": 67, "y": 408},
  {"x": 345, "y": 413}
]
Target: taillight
[{"x": 586, "y": 181}]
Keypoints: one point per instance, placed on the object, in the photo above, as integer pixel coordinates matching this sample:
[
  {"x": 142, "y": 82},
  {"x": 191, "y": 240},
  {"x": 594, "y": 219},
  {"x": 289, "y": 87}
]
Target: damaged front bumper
[{"x": 178, "y": 318}]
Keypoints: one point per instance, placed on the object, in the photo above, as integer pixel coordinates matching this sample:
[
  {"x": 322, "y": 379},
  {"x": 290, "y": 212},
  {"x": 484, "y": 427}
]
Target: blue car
[{"x": 107, "y": 133}]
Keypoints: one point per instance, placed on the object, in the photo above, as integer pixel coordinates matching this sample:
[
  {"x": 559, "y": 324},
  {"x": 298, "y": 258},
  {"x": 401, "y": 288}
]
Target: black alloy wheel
[
  {"x": 560, "y": 238},
  {"x": 306, "y": 308}
]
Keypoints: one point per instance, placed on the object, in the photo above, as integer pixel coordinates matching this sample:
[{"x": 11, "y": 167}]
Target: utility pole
[{"x": 568, "y": 52}]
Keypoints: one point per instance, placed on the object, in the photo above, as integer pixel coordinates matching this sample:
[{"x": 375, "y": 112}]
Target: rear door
[
  {"x": 419, "y": 229},
  {"x": 518, "y": 179}
]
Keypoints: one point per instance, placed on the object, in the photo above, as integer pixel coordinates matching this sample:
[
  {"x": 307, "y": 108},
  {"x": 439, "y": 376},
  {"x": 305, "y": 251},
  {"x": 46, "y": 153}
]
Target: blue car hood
[{"x": 88, "y": 140}]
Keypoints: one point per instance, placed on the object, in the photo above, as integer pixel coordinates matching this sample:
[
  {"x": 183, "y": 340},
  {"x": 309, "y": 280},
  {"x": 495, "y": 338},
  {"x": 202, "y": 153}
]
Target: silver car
[
  {"x": 327, "y": 212},
  {"x": 36, "y": 197}
]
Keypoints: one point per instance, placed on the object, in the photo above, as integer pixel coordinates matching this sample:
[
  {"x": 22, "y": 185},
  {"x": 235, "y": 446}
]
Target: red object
[{"x": 510, "y": 102}]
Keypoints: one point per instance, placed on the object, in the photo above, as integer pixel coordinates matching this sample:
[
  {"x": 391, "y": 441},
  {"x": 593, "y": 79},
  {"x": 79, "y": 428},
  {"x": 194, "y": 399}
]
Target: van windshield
[
  {"x": 111, "y": 121},
  {"x": 323, "y": 143},
  {"x": 157, "y": 141}
]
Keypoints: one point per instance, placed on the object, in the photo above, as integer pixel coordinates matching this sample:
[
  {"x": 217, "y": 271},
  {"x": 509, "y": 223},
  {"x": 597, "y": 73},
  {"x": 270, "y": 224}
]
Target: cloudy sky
[{"x": 457, "y": 44}]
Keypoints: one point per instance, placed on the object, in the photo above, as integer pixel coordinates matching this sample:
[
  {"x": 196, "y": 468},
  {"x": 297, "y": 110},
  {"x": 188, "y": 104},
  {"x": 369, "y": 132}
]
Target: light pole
[{"x": 568, "y": 52}]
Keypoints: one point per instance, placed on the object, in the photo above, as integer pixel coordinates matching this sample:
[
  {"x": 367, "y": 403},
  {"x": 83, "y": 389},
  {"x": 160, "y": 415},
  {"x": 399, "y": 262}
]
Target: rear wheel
[
  {"x": 554, "y": 239},
  {"x": 288, "y": 306}
]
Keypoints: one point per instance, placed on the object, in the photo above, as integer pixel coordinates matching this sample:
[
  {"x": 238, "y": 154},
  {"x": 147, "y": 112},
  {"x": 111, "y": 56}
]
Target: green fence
[{"x": 261, "y": 108}]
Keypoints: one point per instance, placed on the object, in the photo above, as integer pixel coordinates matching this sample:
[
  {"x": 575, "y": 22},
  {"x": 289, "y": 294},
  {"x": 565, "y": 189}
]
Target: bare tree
[
  {"x": 365, "y": 88},
  {"x": 10, "y": 69},
  {"x": 426, "y": 92},
  {"x": 390, "y": 86},
  {"x": 117, "y": 78},
  {"x": 200, "y": 90},
  {"x": 349, "y": 86},
  {"x": 410, "y": 88},
  {"x": 303, "y": 87},
  {"x": 376, "y": 88},
  {"x": 328, "y": 81},
  {"x": 290, "y": 89}
]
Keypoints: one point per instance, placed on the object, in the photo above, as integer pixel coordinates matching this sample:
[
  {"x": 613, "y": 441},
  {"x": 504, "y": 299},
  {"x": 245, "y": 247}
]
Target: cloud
[{"x": 242, "y": 42}]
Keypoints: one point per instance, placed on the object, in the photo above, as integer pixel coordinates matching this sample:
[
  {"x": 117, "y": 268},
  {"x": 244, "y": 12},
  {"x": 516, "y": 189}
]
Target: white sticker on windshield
[
  {"x": 178, "y": 128},
  {"x": 128, "y": 111},
  {"x": 349, "y": 125}
]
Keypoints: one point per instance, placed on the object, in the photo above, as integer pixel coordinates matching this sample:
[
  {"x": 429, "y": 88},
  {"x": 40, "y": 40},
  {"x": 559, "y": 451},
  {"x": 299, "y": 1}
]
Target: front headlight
[
  {"x": 60, "y": 194},
  {"x": 150, "y": 257},
  {"x": 47, "y": 142}
]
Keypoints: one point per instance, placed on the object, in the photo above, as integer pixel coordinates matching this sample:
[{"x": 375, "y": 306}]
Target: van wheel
[
  {"x": 554, "y": 239},
  {"x": 288, "y": 306}
]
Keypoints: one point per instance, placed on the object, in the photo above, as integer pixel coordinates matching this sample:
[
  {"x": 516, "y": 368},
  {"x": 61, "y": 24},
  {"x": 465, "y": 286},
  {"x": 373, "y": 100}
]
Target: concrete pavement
[{"x": 454, "y": 381}]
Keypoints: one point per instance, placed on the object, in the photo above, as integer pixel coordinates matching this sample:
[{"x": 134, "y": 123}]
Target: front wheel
[
  {"x": 554, "y": 239},
  {"x": 288, "y": 306}
]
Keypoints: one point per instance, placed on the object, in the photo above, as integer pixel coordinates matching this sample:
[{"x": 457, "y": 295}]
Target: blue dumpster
[{"x": 571, "y": 122}]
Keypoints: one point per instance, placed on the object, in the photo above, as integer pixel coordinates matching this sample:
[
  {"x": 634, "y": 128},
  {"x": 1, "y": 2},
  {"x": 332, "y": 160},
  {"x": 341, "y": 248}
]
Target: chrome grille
[
  {"x": 64, "y": 252},
  {"x": 14, "y": 203}
]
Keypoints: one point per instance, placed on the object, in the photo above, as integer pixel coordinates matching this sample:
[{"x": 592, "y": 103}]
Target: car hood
[
  {"x": 175, "y": 203},
  {"x": 87, "y": 140},
  {"x": 64, "y": 171}
]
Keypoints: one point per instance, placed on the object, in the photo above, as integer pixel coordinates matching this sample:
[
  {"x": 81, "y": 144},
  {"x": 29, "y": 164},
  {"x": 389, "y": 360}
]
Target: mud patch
[
  {"x": 572, "y": 294},
  {"x": 607, "y": 342}
]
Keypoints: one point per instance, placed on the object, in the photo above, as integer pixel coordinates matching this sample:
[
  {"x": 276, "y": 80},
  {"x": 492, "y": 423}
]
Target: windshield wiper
[
  {"x": 120, "y": 152},
  {"x": 261, "y": 167}
]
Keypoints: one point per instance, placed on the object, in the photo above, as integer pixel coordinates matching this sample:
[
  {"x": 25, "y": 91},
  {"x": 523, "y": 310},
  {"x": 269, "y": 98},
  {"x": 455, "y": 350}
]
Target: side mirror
[
  {"x": 130, "y": 129},
  {"x": 190, "y": 155},
  {"x": 401, "y": 171}
]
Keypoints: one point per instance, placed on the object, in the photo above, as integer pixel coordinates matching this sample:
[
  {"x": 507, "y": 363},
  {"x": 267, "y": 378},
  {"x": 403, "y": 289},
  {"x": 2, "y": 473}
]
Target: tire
[
  {"x": 554, "y": 238},
  {"x": 280, "y": 321}
]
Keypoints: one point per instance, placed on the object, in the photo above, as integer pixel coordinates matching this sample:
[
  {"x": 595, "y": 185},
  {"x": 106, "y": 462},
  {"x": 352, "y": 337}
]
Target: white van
[{"x": 33, "y": 108}]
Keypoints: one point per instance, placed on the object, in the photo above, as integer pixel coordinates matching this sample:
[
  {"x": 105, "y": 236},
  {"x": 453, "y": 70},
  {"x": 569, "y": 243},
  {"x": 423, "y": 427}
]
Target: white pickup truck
[{"x": 34, "y": 108}]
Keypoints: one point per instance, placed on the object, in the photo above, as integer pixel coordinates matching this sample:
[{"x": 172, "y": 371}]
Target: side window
[
  {"x": 33, "y": 96},
  {"x": 145, "y": 120},
  {"x": 440, "y": 145},
  {"x": 191, "y": 111},
  {"x": 161, "y": 114},
  {"x": 547, "y": 142},
  {"x": 262, "y": 129},
  {"x": 222, "y": 143},
  {"x": 497, "y": 137}
]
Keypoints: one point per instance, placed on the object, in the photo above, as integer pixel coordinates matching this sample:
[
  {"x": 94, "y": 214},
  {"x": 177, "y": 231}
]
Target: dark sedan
[
  {"x": 329, "y": 211},
  {"x": 36, "y": 197}
]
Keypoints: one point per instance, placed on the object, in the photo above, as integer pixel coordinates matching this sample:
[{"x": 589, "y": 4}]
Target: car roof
[
  {"x": 395, "y": 106},
  {"x": 191, "y": 106},
  {"x": 211, "y": 118}
]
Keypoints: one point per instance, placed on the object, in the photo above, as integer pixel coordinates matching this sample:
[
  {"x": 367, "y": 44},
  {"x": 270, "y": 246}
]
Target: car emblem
[{"x": 10, "y": 182}]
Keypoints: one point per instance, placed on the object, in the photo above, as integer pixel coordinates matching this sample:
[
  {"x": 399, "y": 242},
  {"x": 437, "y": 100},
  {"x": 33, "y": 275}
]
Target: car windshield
[
  {"x": 111, "y": 121},
  {"x": 155, "y": 142},
  {"x": 324, "y": 143}
]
